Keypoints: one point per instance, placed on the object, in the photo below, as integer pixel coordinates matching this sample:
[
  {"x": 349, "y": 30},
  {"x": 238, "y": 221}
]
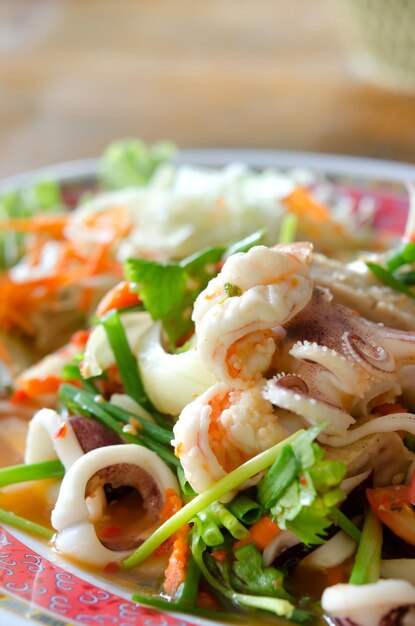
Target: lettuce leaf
[
  {"x": 131, "y": 162},
  {"x": 42, "y": 196}
]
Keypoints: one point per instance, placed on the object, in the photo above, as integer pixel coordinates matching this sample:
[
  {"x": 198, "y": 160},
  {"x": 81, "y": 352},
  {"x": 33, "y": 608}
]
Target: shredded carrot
[
  {"x": 176, "y": 568},
  {"x": 172, "y": 504},
  {"x": 119, "y": 297},
  {"x": 301, "y": 203},
  {"x": 263, "y": 532},
  {"x": 39, "y": 386},
  {"x": 53, "y": 225},
  {"x": 20, "y": 397},
  {"x": 35, "y": 387}
]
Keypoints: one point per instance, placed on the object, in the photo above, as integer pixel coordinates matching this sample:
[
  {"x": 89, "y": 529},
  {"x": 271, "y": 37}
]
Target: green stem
[
  {"x": 164, "y": 605},
  {"x": 162, "y": 435},
  {"x": 83, "y": 402},
  {"x": 125, "y": 360},
  {"x": 346, "y": 525},
  {"x": 35, "y": 471},
  {"x": 229, "y": 482},
  {"x": 368, "y": 557},
  {"x": 7, "y": 517},
  {"x": 288, "y": 228}
]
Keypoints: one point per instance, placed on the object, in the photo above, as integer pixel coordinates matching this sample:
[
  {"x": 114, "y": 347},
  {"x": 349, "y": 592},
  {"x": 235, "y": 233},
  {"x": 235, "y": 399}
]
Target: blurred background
[{"x": 77, "y": 74}]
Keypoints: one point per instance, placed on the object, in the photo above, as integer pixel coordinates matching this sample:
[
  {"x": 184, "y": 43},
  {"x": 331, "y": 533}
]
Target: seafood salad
[{"x": 234, "y": 430}]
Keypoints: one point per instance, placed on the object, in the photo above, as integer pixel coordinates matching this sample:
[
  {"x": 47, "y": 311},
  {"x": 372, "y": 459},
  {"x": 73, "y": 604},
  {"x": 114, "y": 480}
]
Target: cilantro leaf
[
  {"x": 169, "y": 289},
  {"x": 302, "y": 491},
  {"x": 220, "y": 577},
  {"x": 250, "y": 576}
]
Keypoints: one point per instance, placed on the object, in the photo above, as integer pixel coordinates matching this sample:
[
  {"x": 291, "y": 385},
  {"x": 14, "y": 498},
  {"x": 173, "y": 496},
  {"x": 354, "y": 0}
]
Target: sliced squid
[
  {"x": 51, "y": 436},
  {"x": 313, "y": 411},
  {"x": 170, "y": 380},
  {"x": 386, "y": 424},
  {"x": 120, "y": 465},
  {"x": 240, "y": 314},
  {"x": 376, "y": 604},
  {"x": 98, "y": 354},
  {"x": 222, "y": 429}
]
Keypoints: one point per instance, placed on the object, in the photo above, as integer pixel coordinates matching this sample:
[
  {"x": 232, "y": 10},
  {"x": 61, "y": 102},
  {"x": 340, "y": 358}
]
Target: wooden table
[{"x": 76, "y": 74}]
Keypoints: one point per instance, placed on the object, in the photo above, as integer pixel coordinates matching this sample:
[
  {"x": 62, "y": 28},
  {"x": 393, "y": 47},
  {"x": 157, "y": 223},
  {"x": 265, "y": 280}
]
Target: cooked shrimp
[
  {"x": 222, "y": 429},
  {"x": 238, "y": 314}
]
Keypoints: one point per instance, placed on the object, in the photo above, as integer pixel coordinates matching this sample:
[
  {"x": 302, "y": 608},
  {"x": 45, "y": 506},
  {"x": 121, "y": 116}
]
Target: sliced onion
[
  {"x": 332, "y": 553},
  {"x": 170, "y": 380},
  {"x": 284, "y": 540},
  {"x": 348, "y": 484}
]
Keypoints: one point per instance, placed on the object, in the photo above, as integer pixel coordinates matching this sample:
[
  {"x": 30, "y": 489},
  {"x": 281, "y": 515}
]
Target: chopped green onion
[
  {"x": 228, "y": 520},
  {"x": 7, "y": 517},
  {"x": 288, "y": 228},
  {"x": 346, "y": 525},
  {"x": 232, "y": 291},
  {"x": 367, "y": 563},
  {"x": 279, "y": 477},
  {"x": 226, "y": 484},
  {"x": 388, "y": 279},
  {"x": 246, "y": 510},
  {"x": 209, "y": 530},
  {"x": 35, "y": 471}
]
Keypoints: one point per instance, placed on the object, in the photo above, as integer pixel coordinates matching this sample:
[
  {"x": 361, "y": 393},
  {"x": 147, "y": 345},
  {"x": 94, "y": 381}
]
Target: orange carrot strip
[
  {"x": 176, "y": 568},
  {"x": 172, "y": 504},
  {"x": 301, "y": 203},
  {"x": 53, "y": 225},
  {"x": 263, "y": 532},
  {"x": 119, "y": 297}
]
